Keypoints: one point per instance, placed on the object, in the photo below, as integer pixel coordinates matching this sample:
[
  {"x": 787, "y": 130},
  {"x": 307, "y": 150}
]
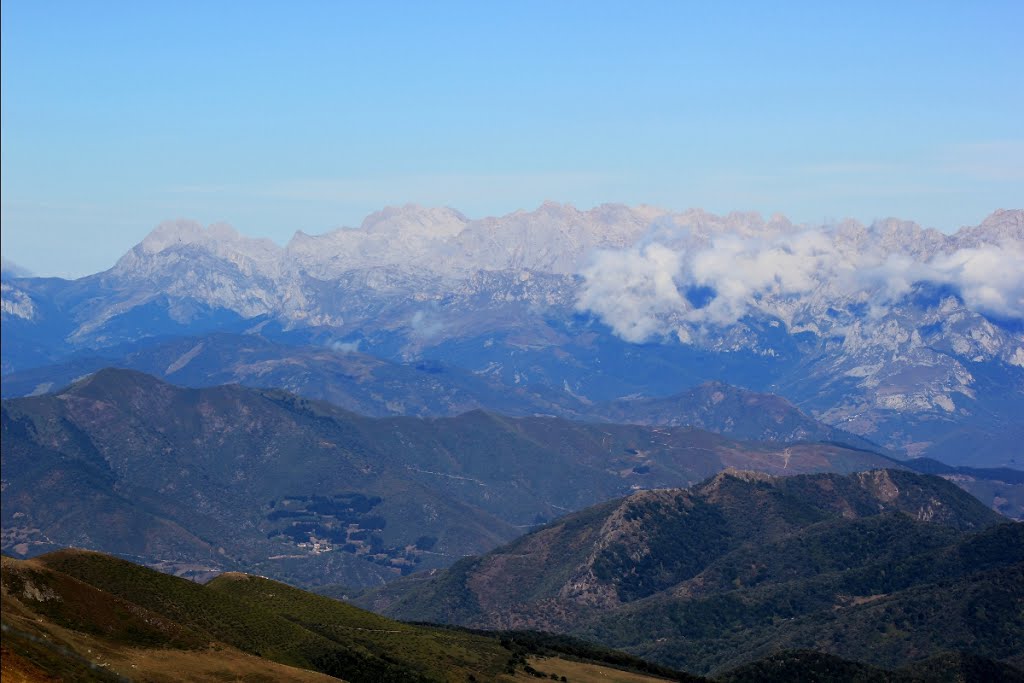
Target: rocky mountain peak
[
  {"x": 220, "y": 239},
  {"x": 550, "y": 207},
  {"x": 998, "y": 227},
  {"x": 15, "y": 303},
  {"x": 181, "y": 232},
  {"x": 712, "y": 489},
  {"x": 418, "y": 220}
]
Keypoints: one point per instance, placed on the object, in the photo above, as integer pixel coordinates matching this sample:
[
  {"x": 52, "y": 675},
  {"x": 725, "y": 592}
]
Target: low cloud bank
[{"x": 664, "y": 286}]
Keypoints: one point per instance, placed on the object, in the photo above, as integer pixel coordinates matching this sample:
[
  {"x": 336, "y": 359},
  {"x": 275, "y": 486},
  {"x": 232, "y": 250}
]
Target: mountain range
[
  {"x": 374, "y": 386},
  {"x": 904, "y": 336},
  {"x": 202, "y": 480},
  {"x": 732, "y": 446}
]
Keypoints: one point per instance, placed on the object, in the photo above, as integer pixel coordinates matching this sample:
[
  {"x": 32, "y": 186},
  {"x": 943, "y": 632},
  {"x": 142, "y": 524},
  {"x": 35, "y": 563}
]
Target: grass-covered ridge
[
  {"x": 89, "y": 616},
  {"x": 79, "y": 615}
]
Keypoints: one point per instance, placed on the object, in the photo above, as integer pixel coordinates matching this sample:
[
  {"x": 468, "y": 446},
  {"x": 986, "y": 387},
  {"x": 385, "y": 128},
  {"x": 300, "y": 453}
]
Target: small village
[{"x": 341, "y": 523}]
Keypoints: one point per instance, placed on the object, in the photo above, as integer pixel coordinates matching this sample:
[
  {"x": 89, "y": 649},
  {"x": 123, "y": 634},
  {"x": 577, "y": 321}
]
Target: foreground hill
[
  {"x": 229, "y": 477},
  {"x": 886, "y": 567},
  {"x": 807, "y": 665},
  {"x": 85, "y": 616}
]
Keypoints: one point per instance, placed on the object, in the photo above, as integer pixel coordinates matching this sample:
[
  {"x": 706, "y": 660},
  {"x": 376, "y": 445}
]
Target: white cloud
[
  {"x": 425, "y": 325},
  {"x": 345, "y": 347},
  {"x": 641, "y": 291},
  {"x": 743, "y": 271},
  {"x": 990, "y": 278},
  {"x": 635, "y": 290}
]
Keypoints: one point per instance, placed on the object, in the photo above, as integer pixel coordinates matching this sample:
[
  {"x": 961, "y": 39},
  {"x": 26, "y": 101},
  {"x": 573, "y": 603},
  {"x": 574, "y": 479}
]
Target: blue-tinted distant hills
[
  {"x": 906, "y": 337},
  {"x": 201, "y": 479}
]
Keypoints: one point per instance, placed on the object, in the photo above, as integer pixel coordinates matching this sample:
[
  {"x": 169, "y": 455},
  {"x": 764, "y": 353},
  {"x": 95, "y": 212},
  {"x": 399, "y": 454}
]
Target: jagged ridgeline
[
  {"x": 906, "y": 336},
  {"x": 885, "y": 568}
]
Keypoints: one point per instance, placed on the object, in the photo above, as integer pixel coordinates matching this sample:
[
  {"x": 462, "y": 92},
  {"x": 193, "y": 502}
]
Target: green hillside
[
  {"x": 90, "y": 616},
  {"x": 83, "y": 616}
]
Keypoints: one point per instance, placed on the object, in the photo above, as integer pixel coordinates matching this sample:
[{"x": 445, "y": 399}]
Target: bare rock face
[{"x": 16, "y": 303}]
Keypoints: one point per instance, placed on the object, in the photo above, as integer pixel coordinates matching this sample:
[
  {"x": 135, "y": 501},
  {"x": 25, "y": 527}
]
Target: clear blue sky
[{"x": 279, "y": 116}]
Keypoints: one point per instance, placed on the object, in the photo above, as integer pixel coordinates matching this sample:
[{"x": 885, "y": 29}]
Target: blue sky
[{"x": 278, "y": 118}]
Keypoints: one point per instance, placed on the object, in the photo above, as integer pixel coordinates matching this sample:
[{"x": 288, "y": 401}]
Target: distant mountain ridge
[
  {"x": 732, "y": 411},
  {"x": 905, "y": 336},
  {"x": 228, "y": 477},
  {"x": 374, "y": 386}
]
